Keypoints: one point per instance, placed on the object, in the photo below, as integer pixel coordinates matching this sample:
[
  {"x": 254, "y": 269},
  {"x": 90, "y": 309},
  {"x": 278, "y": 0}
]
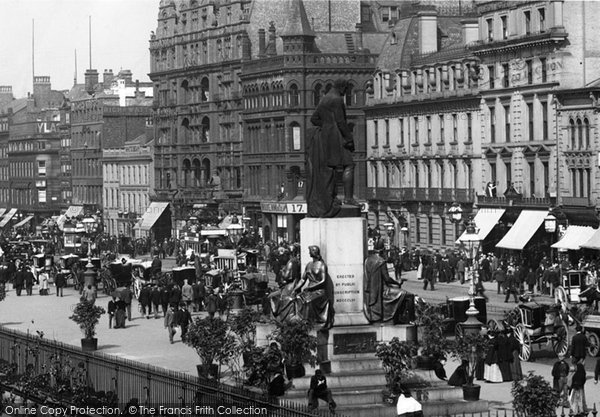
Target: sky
[{"x": 120, "y": 34}]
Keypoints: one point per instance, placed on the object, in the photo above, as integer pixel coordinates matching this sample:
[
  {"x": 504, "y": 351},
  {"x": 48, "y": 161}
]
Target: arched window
[
  {"x": 184, "y": 91},
  {"x": 579, "y": 133},
  {"x": 186, "y": 172},
  {"x": 196, "y": 172},
  {"x": 317, "y": 94},
  {"x": 204, "y": 89},
  {"x": 295, "y": 135},
  {"x": 294, "y": 95},
  {"x": 572, "y": 133},
  {"x": 205, "y": 129},
  {"x": 185, "y": 125},
  {"x": 586, "y": 133},
  {"x": 327, "y": 88},
  {"x": 205, "y": 173},
  {"x": 349, "y": 94}
]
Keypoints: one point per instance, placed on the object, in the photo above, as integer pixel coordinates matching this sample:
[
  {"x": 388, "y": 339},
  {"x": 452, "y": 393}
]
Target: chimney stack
[
  {"x": 6, "y": 94},
  {"x": 359, "y": 37},
  {"x": 271, "y": 46},
  {"x": 428, "y": 38},
  {"x": 91, "y": 81},
  {"x": 470, "y": 31},
  {"x": 41, "y": 91},
  {"x": 262, "y": 43},
  {"x": 107, "y": 78}
]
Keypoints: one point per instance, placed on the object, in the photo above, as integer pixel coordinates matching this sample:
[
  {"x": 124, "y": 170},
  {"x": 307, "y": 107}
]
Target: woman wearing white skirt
[
  {"x": 577, "y": 391},
  {"x": 491, "y": 372}
]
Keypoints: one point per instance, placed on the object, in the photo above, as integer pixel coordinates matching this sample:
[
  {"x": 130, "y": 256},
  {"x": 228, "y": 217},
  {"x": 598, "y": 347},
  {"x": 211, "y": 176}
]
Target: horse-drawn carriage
[
  {"x": 43, "y": 261},
  {"x": 65, "y": 268},
  {"x": 538, "y": 324},
  {"x": 184, "y": 273},
  {"x": 142, "y": 275},
  {"x": 574, "y": 288}
]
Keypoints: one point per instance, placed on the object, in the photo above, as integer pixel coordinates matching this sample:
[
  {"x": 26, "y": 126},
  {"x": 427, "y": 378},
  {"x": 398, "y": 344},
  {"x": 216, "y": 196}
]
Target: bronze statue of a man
[
  {"x": 384, "y": 299},
  {"x": 315, "y": 301},
  {"x": 328, "y": 149}
]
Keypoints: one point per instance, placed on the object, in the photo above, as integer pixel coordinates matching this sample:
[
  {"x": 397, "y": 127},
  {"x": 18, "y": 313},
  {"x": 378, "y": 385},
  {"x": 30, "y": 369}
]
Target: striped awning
[
  {"x": 8, "y": 216},
  {"x": 23, "y": 222}
]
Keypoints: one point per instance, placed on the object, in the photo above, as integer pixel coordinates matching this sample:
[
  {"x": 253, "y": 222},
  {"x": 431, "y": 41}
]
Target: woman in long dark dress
[
  {"x": 577, "y": 393},
  {"x": 505, "y": 357},
  {"x": 492, "y": 370},
  {"x": 515, "y": 365}
]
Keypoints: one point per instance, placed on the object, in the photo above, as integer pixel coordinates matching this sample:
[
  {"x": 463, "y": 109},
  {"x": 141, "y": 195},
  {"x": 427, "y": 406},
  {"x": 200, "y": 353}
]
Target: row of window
[
  {"x": 438, "y": 128},
  {"x": 414, "y": 174},
  {"x": 27, "y": 168},
  {"x": 536, "y": 176},
  {"x": 126, "y": 174},
  {"x": 135, "y": 202},
  {"x": 426, "y": 226},
  {"x": 28, "y": 146},
  {"x": 271, "y": 139},
  {"x": 517, "y": 22},
  {"x": 448, "y": 77}
]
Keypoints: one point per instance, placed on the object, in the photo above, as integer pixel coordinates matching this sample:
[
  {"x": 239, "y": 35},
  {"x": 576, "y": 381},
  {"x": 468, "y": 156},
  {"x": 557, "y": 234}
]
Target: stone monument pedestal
[{"x": 350, "y": 344}]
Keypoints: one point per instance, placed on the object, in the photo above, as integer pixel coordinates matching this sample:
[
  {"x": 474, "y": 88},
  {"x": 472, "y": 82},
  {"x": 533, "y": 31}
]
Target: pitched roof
[{"x": 296, "y": 22}]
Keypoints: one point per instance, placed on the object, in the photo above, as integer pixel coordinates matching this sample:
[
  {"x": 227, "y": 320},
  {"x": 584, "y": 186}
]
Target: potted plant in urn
[
  {"x": 431, "y": 325},
  {"x": 397, "y": 358},
  {"x": 212, "y": 341},
  {"x": 87, "y": 315},
  {"x": 470, "y": 348},
  {"x": 297, "y": 344}
]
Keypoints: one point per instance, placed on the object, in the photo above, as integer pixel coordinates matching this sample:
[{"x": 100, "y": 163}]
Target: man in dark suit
[{"x": 579, "y": 344}]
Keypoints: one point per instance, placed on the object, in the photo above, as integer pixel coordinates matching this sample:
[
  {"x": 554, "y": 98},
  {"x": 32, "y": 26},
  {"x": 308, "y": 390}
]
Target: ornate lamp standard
[
  {"x": 89, "y": 223},
  {"x": 472, "y": 241}
]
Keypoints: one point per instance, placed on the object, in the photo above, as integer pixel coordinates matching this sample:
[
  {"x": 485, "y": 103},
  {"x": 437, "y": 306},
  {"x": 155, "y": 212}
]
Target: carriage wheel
[
  {"x": 560, "y": 296},
  {"x": 560, "y": 343},
  {"x": 495, "y": 325},
  {"x": 523, "y": 337},
  {"x": 594, "y": 344},
  {"x": 459, "y": 331}
]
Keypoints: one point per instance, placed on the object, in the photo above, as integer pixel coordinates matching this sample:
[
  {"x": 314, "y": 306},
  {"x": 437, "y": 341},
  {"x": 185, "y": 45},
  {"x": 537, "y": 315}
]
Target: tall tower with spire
[{"x": 297, "y": 35}]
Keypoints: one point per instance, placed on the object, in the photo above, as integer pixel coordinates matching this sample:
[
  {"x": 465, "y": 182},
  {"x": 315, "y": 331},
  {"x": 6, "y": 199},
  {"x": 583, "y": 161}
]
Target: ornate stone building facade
[
  {"x": 521, "y": 76},
  {"x": 232, "y": 104}
]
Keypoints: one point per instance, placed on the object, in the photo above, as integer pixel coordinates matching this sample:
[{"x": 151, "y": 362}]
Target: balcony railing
[
  {"x": 576, "y": 201},
  {"x": 459, "y": 195},
  {"x": 544, "y": 202}
]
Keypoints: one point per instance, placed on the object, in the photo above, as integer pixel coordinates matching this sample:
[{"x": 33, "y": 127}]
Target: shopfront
[{"x": 281, "y": 220}]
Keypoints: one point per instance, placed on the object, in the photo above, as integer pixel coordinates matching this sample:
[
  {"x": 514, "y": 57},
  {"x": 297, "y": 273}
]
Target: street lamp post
[
  {"x": 472, "y": 241},
  {"x": 89, "y": 223}
]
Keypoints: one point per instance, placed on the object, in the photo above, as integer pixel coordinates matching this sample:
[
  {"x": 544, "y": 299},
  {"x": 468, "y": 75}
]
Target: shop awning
[
  {"x": 485, "y": 220},
  {"x": 2, "y": 211},
  {"x": 593, "y": 242},
  {"x": 151, "y": 215},
  {"x": 574, "y": 237},
  {"x": 7, "y": 217},
  {"x": 74, "y": 211},
  {"x": 528, "y": 222},
  {"x": 23, "y": 222},
  {"x": 213, "y": 232}
]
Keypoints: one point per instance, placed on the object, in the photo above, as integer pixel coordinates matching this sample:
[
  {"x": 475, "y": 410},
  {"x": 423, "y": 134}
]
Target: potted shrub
[
  {"x": 470, "y": 347},
  {"x": 430, "y": 333},
  {"x": 297, "y": 344},
  {"x": 533, "y": 396},
  {"x": 243, "y": 324},
  {"x": 396, "y": 357},
  {"x": 87, "y": 315},
  {"x": 212, "y": 341}
]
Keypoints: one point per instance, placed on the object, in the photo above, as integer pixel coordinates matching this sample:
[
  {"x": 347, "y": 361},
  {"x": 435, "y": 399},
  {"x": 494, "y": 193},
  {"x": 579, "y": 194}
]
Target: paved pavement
[{"x": 147, "y": 340}]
